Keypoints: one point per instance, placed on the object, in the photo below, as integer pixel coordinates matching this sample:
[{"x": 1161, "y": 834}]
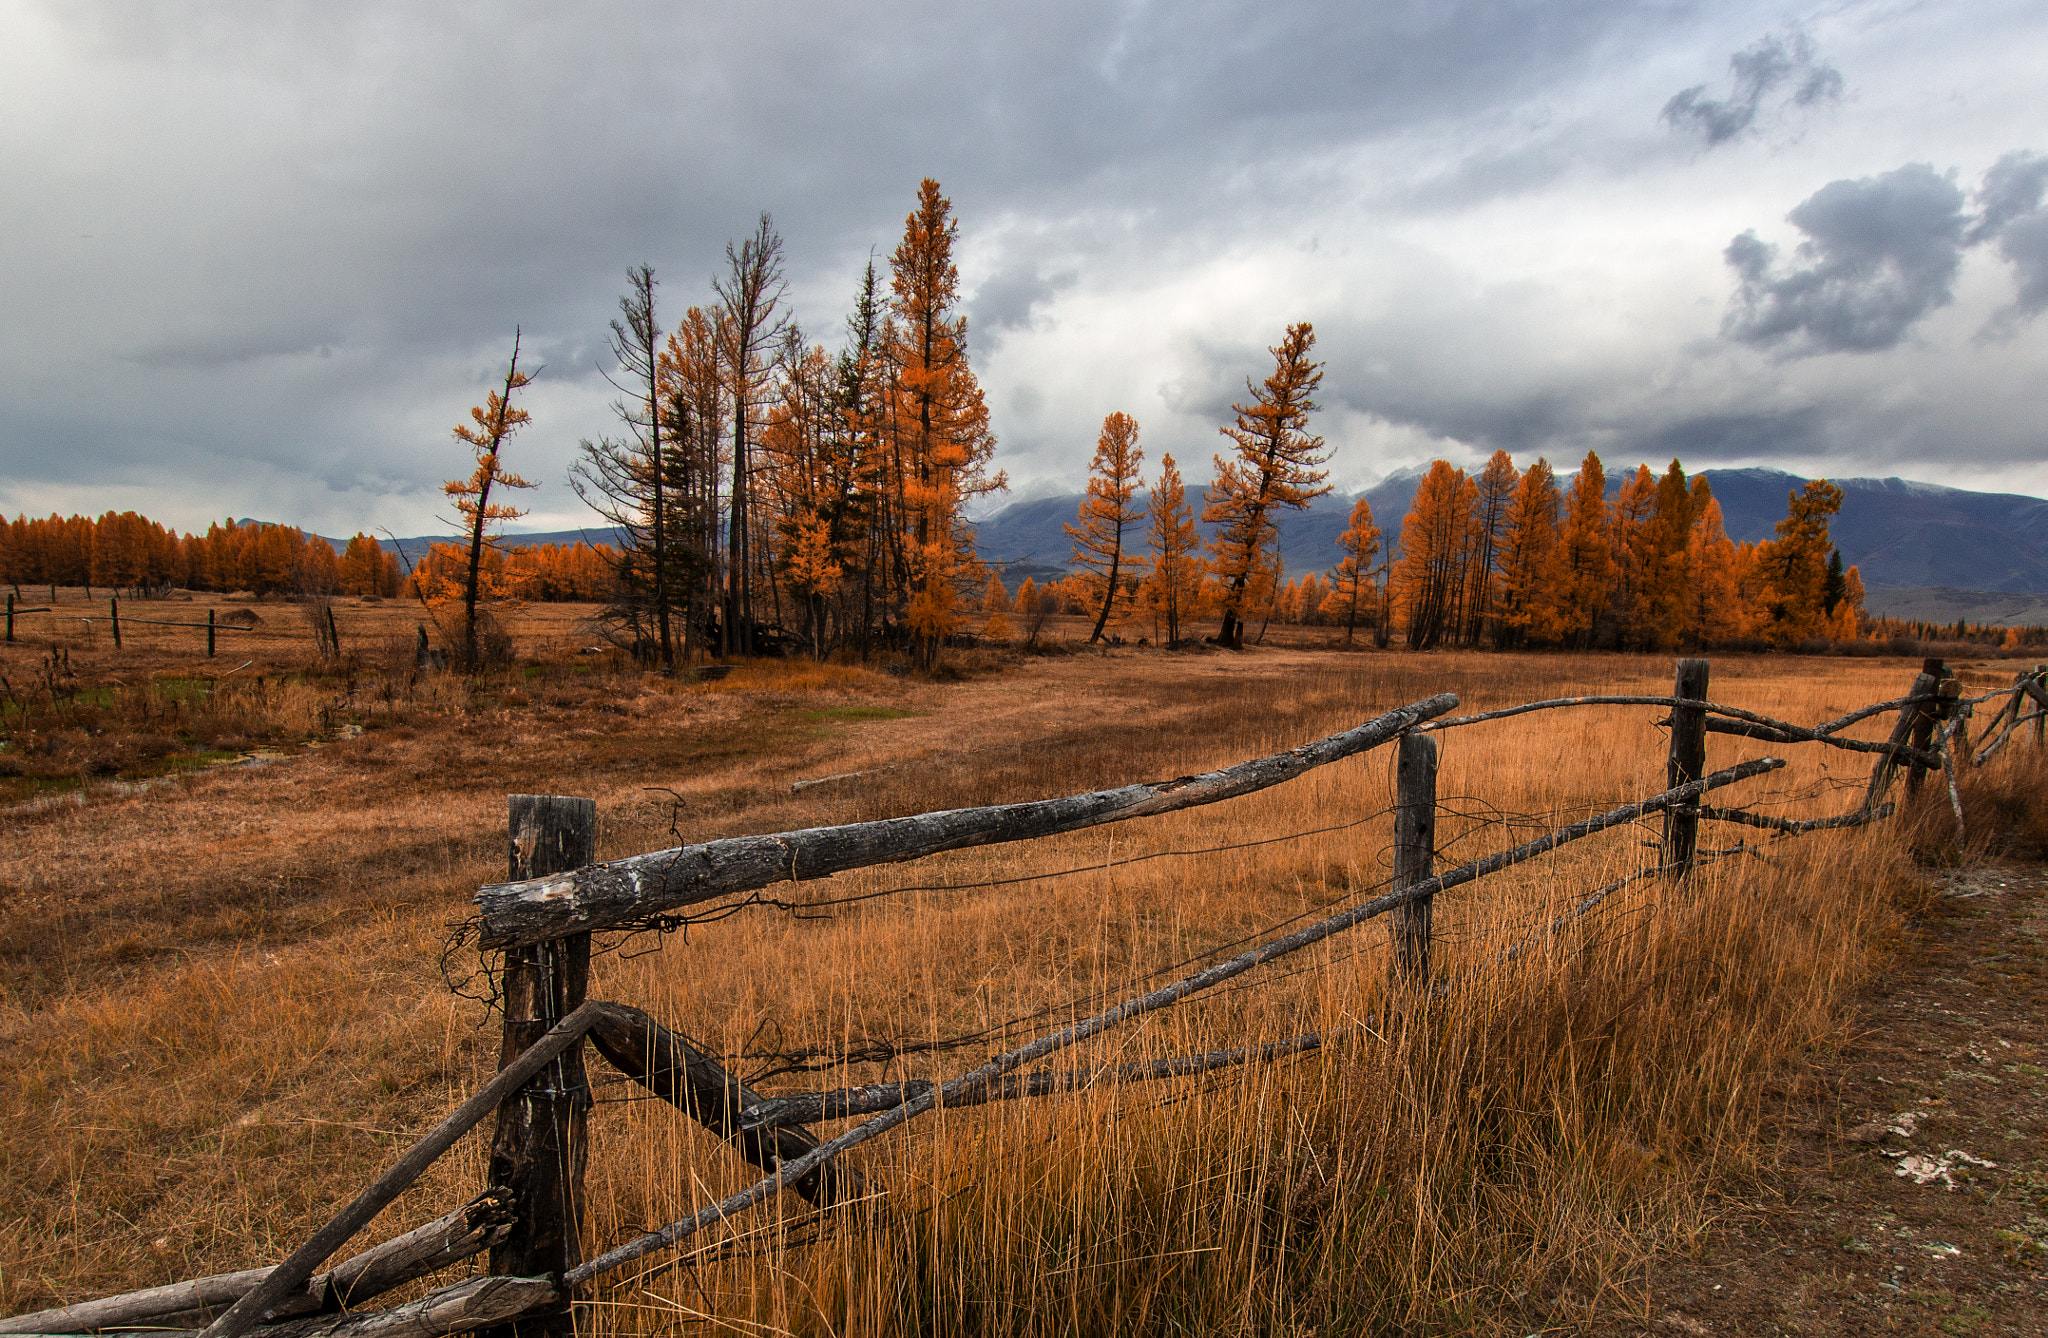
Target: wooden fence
[{"x": 542, "y": 919}]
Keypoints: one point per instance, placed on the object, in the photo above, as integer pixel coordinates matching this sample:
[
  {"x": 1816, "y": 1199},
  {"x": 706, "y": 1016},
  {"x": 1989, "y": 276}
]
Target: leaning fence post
[
  {"x": 1414, "y": 853},
  {"x": 1688, "y": 762},
  {"x": 1923, "y": 723},
  {"x": 1902, "y": 730},
  {"x": 114, "y": 616},
  {"x": 539, "y": 1151}
]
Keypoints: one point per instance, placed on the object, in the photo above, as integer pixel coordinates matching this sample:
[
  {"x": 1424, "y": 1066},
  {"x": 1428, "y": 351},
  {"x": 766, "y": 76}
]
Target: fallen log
[
  {"x": 467, "y": 1231},
  {"x": 675, "y": 1070},
  {"x": 474, "y": 1303},
  {"x": 634, "y": 890},
  {"x": 1164, "y": 997}
]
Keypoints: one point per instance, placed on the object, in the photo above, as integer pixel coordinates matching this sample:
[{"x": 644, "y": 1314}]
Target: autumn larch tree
[
  {"x": 1174, "y": 586},
  {"x": 1107, "y": 515},
  {"x": 1436, "y": 543},
  {"x": 1667, "y": 560},
  {"x": 1581, "y": 577},
  {"x": 937, "y": 418},
  {"x": 1352, "y": 585},
  {"x": 1496, "y": 492},
  {"x": 1274, "y": 466},
  {"x": 1628, "y": 534},
  {"x": 1528, "y": 542},
  {"x": 1714, "y": 609},
  {"x": 490, "y": 424}
]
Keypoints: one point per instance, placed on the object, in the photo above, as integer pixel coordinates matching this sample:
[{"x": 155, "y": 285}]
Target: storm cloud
[
  {"x": 1771, "y": 66},
  {"x": 1880, "y": 253},
  {"x": 257, "y": 258}
]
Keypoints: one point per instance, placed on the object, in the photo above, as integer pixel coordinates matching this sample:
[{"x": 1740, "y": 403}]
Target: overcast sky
[{"x": 257, "y": 257}]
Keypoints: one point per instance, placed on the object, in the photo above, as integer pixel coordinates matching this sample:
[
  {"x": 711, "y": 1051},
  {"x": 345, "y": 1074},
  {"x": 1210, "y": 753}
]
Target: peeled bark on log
[
  {"x": 467, "y": 1231},
  {"x": 632, "y": 890},
  {"x": 675, "y": 1070},
  {"x": 472, "y": 1304}
]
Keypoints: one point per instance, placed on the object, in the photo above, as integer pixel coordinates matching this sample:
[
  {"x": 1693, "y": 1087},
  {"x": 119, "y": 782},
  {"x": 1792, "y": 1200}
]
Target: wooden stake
[
  {"x": 1414, "y": 854},
  {"x": 1902, "y": 730},
  {"x": 1688, "y": 762},
  {"x": 1923, "y": 721},
  {"x": 290, "y": 1275},
  {"x": 114, "y": 616},
  {"x": 209, "y": 633},
  {"x": 540, "y": 1148}
]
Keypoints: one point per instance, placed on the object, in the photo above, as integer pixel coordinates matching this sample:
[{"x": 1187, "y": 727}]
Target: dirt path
[{"x": 1883, "y": 1217}]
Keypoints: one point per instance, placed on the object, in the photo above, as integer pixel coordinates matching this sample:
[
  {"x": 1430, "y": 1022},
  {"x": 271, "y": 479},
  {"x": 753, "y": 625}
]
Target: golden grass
[{"x": 222, "y": 1008}]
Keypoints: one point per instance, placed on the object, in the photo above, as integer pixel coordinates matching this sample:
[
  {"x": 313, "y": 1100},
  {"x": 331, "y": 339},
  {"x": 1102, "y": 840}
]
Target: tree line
[{"x": 124, "y": 551}]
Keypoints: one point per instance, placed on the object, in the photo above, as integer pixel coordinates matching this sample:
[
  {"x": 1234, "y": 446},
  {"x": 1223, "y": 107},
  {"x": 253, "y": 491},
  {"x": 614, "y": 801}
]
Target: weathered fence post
[
  {"x": 539, "y": 1151},
  {"x": 1688, "y": 763},
  {"x": 1414, "y": 853},
  {"x": 209, "y": 634},
  {"x": 1924, "y": 685},
  {"x": 114, "y": 616},
  {"x": 10, "y": 617},
  {"x": 1923, "y": 722}
]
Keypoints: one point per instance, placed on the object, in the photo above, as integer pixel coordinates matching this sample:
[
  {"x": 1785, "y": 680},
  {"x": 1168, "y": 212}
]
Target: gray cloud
[
  {"x": 1880, "y": 253},
  {"x": 1770, "y": 65},
  {"x": 2011, "y": 214}
]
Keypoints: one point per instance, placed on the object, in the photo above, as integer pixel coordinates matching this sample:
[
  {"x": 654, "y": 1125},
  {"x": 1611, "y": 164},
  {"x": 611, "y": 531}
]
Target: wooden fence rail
[{"x": 531, "y": 1218}]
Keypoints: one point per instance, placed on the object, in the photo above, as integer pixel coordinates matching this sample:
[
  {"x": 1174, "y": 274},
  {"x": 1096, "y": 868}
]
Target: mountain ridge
[{"x": 1901, "y": 533}]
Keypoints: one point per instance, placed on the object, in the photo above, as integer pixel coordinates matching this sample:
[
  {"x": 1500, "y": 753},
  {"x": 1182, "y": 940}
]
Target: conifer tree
[
  {"x": 1275, "y": 465},
  {"x": 1631, "y": 540},
  {"x": 1581, "y": 577},
  {"x": 1107, "y": 515},
  {"x": 1528, "y": 543},
  {"x": 1793, "y": 566},
  {"x": 937, "y": 418},
  {"x": 491, "y": 423},
  {"x": 1436, "y": 542},
  {"x": 1353, "y": 583},
  {"x": 1174, "y": 586},
  {"x": 1715, "y": 610},
  {"x": 1667, "y": 559},
  {"x": 1496, "y": 492},
  {"x": 750, "y": 295}
]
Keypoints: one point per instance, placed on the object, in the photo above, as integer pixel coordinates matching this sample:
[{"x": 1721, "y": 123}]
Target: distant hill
[
  {"x": 414, "y": 548},
  {"x": 1899, "y": 532}
]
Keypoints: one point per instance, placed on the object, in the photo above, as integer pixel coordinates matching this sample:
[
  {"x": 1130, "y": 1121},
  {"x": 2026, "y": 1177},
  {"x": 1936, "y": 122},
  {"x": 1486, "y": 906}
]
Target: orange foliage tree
[
  {"x": 1353, "y": 586},
  {"x": 1107, "y": 514},
  {"x": 1275, "y": 465},
  {"x": 490, "y": 424},
  {"x": 1436, "y": 545},
  {"x": 1174, "y": 586}
]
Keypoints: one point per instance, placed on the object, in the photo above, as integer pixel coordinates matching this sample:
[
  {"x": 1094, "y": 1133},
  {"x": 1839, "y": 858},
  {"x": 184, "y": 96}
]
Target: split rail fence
[{"x": 530, "y": 1216}]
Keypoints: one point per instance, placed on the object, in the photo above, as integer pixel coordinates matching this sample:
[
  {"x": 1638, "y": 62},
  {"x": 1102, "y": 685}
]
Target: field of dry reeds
[{"x": 226, "y": 1003}]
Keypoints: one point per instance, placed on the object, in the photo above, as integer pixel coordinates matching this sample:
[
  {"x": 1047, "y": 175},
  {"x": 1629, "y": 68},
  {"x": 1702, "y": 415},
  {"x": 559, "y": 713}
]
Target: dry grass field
[{"x": 224, "y": 899}]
